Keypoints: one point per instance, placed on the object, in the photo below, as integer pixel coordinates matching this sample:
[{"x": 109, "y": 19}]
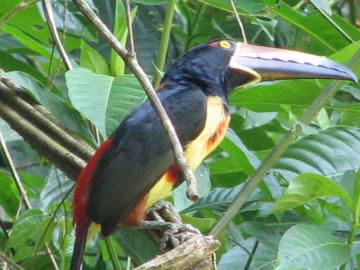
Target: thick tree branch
[
  {"x": 49, "y": 15},
  {"x": 134, "y": 66},
  {"x": 185, "y": 256},
  {"x": 42, "y": 119},
  {"x": 39, "y": 139}
]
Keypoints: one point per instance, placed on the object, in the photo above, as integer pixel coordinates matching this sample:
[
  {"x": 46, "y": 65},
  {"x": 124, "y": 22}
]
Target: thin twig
[
  {"x": 114, "y": 258},
  {"x": 21, "y": 6},
  {"x": 332, "y": 22},
  {"x": 164, "y": 43},
  {"x": 22, "y": 191},
  {"x": 134, "y": 66},
  {"x": 279, "y": 149},
  {"x": 5, "y": 258},
  {"x": 14, "y": 173},
  {"x": 49, "y": 15},
  {"x": 129, "y": 26},
  {"x": 239, "y": 21}
]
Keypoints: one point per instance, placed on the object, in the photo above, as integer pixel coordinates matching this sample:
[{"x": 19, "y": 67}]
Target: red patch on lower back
[
  {"x": 218, "y": 134},
  {"x": 83, "y": 184}
]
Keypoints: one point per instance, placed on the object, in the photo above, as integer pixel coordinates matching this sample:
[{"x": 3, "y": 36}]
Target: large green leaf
[
  {"x": 271, "y": 96},
  {"x": 8, "y": 133},
  {"x": 202, "y": 175},
  {"x": 9, "y": 198},
  {"x": 104, "y": 100},
  {"x": 117, "y": 64},
  {"x": 315, "y": 25},
  {"x": 309, "y": 186},
  {"x": 27, "y": 234},
  {"x": 91, "y": 59},
  {"x": 330, "y": 152},
  {"x": 56, "y": 187},
  {"x": 218, "y": 199},
  {"x": 311, "y": 247},
  {"x": 250, "y": 6}
]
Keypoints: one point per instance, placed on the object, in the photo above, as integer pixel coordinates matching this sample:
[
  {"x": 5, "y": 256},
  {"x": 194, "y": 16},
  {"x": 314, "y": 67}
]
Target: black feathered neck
[{"x": 205, "y": 66}]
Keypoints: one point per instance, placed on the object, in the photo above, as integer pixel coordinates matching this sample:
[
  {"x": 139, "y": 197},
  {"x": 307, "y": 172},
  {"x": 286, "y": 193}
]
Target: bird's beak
[{"x": 264, "y": 64}]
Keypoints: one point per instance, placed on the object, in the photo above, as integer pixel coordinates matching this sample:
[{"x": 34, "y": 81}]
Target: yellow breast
[{"x": 216, "y": 124}]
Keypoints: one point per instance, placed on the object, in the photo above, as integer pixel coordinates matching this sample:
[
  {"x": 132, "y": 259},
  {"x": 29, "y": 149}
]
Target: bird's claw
[{"x": 177, "y": 234}]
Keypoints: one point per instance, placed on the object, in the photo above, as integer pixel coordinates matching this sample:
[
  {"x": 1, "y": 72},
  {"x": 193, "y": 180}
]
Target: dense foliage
[{"x": 304, "y": 215}]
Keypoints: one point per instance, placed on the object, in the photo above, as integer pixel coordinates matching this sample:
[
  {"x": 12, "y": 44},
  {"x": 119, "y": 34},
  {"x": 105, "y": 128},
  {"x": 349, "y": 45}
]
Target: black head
[{"x": 221, "y": 65}]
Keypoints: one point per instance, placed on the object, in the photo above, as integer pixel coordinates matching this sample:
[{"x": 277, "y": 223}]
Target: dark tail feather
[{"x": 79, "y": 248}]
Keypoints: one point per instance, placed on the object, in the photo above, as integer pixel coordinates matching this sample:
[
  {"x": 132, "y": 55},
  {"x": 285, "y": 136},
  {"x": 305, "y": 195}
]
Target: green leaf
[
  {"x": 216, "y": 199},
  {"x": 151, "y": 2},
  {"x": 8, "y": 134},
  {"x": 202, "y": 175},
  {"x": 235, "y": 258},
  {"x": 271, "y": 96},
  {"x": 57, "y": 185},
  {"x": 9, "y": 198},
  {"x": 117, "y": 64},
  {"x": 104, "y": 100},
  {"x": 239, "y": 159},
  {"x": 91, "y": 59},
  {"x": 314, "y": 25},
  {"x": 309, "y": 186},
  {"x": 356, "y": 210},
  {"x": 26, "y": 237},
  {"x": 134, "y": 242},
  {"x": 249, "y": 6},
  {"x": 311, "y": 247},
  {"x": 323, "y": 5},
  {"x": 330, "y": 152},
  {"x": 28, "y": 41}
]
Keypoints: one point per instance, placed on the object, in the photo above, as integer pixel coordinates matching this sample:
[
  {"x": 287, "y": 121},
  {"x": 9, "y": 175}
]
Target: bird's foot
[
  {"x": 164, "y": 211},
  {"x": 172, "y": 234}
]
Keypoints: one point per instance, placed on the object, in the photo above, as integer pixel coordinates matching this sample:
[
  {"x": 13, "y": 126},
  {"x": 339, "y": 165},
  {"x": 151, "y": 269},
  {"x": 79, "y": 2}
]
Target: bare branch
[
  {"x": 22, "y": 191},
  {"x": 20, "y": 6},
  {"x": 129, "y": 26},
  {"x": 185, "y": 256},
  {"x": 40, "y": 117},
  {"x": 40, "y": 139},
  {"x": 5, "y": 258},
  {"x": 49, "y": 15},
  {"x": 134, "y": 66},
  {"x": 239, "y": 21}
]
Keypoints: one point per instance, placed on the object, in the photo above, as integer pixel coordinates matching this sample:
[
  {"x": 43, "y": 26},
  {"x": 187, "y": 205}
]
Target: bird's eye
[{"x": 224, "y": 44}]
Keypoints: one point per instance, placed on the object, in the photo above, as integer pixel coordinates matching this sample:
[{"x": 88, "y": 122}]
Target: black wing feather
[{"x": 141, "y": 153}]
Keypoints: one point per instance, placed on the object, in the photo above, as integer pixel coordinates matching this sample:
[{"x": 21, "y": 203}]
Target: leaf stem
[
  {"x": 164, "y": 43},
  {"x": 22, "y": 191},
  {"x": 114, "y": 258},
  {"x": 355, "y": 216},
  {"x": 5, "y": 258},
  {"x": 332, "y": 22},
  {"x": 279, "y": 149}
]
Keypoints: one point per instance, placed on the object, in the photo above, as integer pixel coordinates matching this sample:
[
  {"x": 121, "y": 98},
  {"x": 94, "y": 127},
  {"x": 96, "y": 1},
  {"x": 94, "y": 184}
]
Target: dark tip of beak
[{"x": 348, "y": 74}]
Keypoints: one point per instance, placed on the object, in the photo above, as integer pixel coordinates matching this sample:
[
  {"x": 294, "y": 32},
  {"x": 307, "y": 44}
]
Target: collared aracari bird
[{"x": 135, "y": 167}]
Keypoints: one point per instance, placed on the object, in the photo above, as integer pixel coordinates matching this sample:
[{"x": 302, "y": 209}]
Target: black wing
[{"x": 141, "y": 153}]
